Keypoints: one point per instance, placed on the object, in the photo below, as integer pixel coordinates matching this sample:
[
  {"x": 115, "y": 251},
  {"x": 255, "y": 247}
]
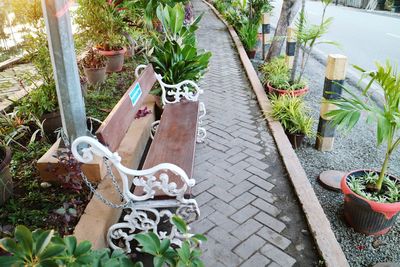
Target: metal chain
[{"x": 109, "y": 174}]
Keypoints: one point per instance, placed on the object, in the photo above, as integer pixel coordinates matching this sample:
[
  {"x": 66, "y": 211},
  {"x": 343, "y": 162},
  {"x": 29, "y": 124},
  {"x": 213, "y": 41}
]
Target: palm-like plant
[{"x": 387, "y": 117}]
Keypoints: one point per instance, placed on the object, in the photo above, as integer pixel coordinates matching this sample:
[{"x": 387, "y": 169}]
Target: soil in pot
[
  {"x": 6, "y": 185},
  {"x": 115, "y": 59},
  {"x": 95, "y": 76},
  {"x": 368, "y": 216},
  {"x": 295, "y": 139},
  {"x": 251, "y": 54},
  {"x": 281, "y": 92}
]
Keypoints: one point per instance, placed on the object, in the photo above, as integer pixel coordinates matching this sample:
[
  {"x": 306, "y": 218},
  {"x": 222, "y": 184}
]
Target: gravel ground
[{"x": 354, "y": 150}]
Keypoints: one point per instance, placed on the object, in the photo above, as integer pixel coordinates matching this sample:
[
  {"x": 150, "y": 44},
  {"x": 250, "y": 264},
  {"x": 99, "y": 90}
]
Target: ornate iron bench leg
[
  {"x": 153, "y": 129},
  {"x": 201, "y": 131}
]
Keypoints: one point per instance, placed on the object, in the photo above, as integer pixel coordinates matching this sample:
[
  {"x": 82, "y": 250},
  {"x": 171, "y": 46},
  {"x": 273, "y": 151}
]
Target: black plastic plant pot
[
  {"x": 295, "y": 139},
  {"x": 6, "y": 185},
  {"x": 367, "y": 216},
  {"x": 251, "y": 54}
]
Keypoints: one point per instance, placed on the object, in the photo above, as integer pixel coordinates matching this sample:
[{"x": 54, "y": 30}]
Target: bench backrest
[{"x": 117, "y": 123}]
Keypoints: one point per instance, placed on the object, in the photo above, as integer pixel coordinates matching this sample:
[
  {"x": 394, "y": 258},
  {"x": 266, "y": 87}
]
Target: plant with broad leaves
[
  {"x": 176, "y": 56},
  {"x": 45, "y": 248},
  {"x": 187, "y": 255},
  {"x": 387, "y": 117}
]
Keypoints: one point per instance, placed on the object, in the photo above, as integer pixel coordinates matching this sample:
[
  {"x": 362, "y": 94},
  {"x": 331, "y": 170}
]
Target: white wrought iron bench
[{"x": 163, "y": 187}]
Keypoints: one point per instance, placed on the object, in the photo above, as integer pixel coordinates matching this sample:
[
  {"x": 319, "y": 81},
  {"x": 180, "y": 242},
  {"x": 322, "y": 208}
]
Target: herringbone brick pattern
[{"x": 235, "y": 168}]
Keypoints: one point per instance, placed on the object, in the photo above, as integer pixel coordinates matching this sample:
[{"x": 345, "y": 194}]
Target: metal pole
[
  {"x": 334, "y": 79},
  {"x": 65, "y": 68}
]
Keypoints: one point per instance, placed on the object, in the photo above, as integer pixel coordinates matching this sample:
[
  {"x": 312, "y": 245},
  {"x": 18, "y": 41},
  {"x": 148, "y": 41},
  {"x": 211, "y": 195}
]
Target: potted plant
[
  {"x": 372, "y": 197},
  {"x": 293, "y": 114},
  {"x": 248, "y": 34},
  {"x": 175, "y": 55},
  {"x": 102, "y": 23},
  {"x": 276, "y": 79},
  {"x": 6, "y": 185},
  {"x": 94, "y": 66}
]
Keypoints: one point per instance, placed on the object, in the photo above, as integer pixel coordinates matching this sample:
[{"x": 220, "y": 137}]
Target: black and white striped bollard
[
  {"x": 266, "y": 31},
  {"x": 290, "y": 47},
  {"x": 334, "y": 78}
]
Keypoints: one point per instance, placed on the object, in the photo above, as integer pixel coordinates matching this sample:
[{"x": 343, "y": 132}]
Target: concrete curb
[{"x": 319, "y": 225}]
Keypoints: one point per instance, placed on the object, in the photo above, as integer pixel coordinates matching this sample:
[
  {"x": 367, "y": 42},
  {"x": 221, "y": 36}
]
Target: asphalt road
[{"x": 364, "y": 37}]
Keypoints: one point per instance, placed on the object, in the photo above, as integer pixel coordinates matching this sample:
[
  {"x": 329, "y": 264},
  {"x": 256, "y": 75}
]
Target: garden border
[{"x": 326, "y": 242}]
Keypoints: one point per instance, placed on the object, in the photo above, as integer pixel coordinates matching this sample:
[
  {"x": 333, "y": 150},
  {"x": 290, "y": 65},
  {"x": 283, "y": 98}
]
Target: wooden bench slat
[
  {"x": 174, "y": 141},
  {"x": 117, "y": 123}
]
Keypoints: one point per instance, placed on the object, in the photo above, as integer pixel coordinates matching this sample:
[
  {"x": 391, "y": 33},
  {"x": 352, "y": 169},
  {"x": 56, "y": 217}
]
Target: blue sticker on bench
[{"x": 135, "y": 94}]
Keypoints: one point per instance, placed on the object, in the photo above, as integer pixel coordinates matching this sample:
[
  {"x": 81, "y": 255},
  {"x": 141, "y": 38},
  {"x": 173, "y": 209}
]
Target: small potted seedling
[
  {"x": 293, "y": 114},
  {"x": 372, "y": 197},
  {"x": 94, "y": 66}
]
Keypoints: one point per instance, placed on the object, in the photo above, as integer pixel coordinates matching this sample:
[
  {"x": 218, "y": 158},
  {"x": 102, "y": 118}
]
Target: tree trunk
[
  {"x": 297, "y": 51},
  {"x": 288, "y": 12}
]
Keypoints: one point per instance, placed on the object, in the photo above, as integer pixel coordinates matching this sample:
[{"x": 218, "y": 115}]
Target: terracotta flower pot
[
  {"x": 95, "y": 76},
  {"x": 367, "y": 216},
  {"x": 280, "y": 92},
  {"x": 295, "y": 139},
  {"x": 6, "y": 184},
  {"x": 115, "y": 59},
  {"x": 251, "y": 54}
]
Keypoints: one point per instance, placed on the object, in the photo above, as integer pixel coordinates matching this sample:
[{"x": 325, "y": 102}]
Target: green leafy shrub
[
  {"x": 292, "y": 113},
  {"x": 188, "y": 255},
  {"x": 277, "y": 74},
  {"x": 176, "y": 56},
  {"x": 248, "y": 34},
  {"x": 45, "y": 248},
  {"x": 101, "y": 23}
]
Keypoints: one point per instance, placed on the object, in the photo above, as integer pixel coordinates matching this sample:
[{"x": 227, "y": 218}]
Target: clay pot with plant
[
  {"x": 6, "y": 185},
  {"x": 276, "y": 79},
  {"x": 102, "y": 23},
  {"x": 94, "y": 66},
  {"x": 248, "y": 34},
  {"x": 372, "y": 197},
  {"x": 294, "y": 116}
]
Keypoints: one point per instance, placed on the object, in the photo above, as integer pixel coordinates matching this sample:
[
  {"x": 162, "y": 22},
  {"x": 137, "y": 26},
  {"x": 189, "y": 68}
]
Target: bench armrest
[
  {"x": 186, "y": 89},
  {"x": 152, "y": 179}
]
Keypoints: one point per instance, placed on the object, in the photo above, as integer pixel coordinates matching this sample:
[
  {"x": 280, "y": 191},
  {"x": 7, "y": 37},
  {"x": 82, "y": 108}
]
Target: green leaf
[
  {"x": 43, "y": 241},
  {"x": 70, "y": 243},
  {"x": 82, "y": 248},
  {"x": 52, "y": 251},
  {"x": 158, "y": 261},
  {"x": 180, "y": 224},
  {"x": 147, "y": 243},
  {"x": 184, "y": 251},
  {"x": 24, "y": 238},
  {"x": 9, "y": 245},
  {"x": 164, "y": 245},
  {"x": 7, "y": 261}
]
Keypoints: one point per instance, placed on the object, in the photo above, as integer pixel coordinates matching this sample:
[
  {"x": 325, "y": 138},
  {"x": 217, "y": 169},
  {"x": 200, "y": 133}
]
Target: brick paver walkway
[{"x": 248, "y": 210}]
